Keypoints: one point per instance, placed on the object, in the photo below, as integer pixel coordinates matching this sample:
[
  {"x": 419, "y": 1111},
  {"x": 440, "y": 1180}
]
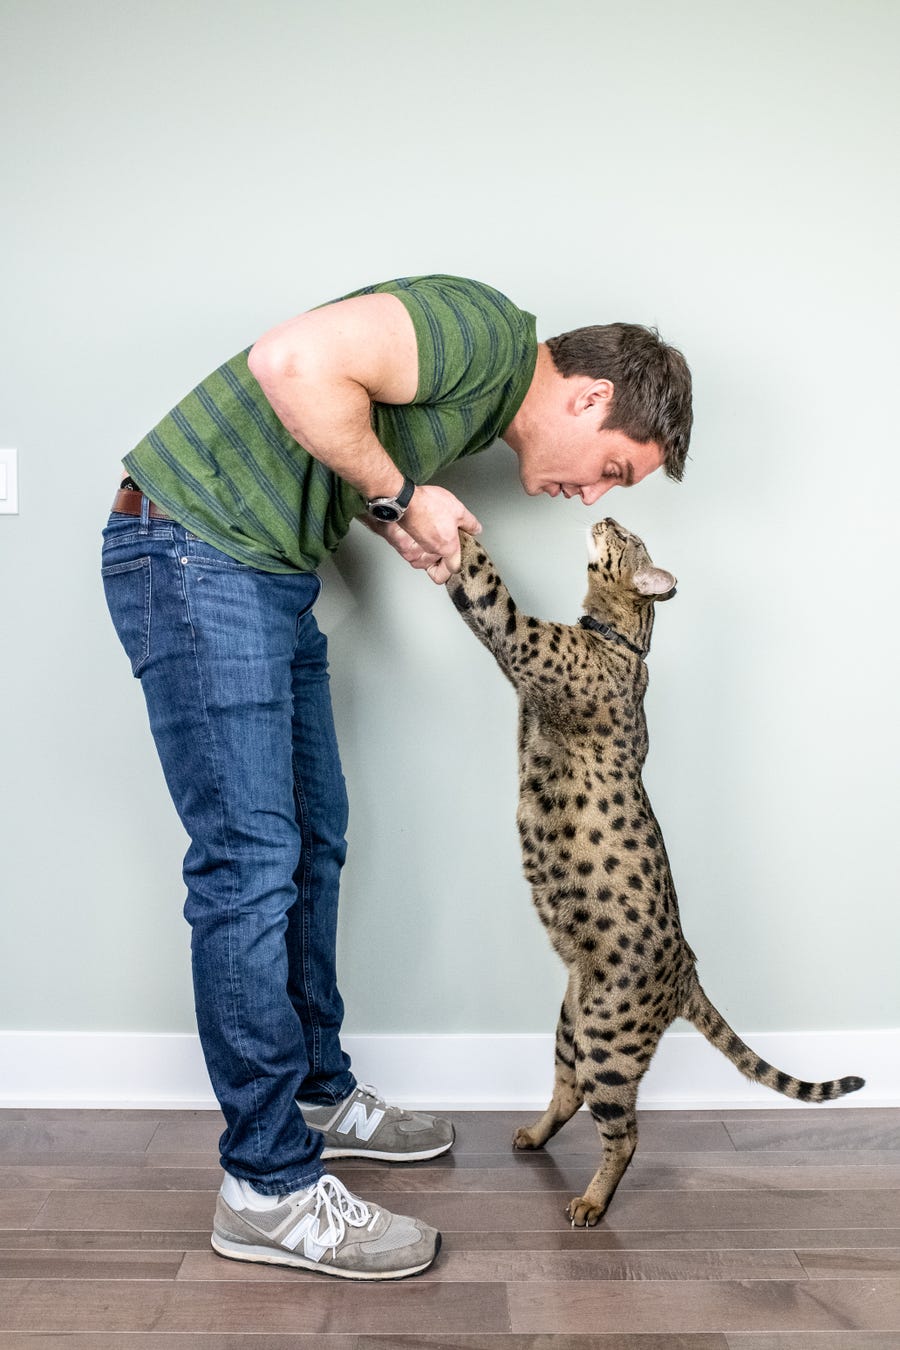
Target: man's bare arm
[{"x": 321, "y": 372}]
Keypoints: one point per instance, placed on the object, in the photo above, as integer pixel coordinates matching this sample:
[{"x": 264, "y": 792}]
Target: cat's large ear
[{"x": 654, "y": 581}]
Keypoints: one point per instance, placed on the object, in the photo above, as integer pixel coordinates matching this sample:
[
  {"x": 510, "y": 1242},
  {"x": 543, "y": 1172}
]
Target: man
[{"x": 209, "y": 568}]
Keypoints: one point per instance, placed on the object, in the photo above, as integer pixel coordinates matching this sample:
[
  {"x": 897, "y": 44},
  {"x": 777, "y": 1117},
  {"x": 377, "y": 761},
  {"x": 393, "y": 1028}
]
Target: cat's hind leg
[
  {"x": 567, "y": 1096},
  {"x": 613, "y": 1109}
]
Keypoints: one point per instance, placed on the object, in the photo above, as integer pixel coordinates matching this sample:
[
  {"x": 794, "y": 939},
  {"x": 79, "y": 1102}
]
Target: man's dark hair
[{"x": 652, "y": 383}]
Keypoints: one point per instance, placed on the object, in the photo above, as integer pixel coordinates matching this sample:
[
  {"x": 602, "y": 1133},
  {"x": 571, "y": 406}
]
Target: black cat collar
[{"x": 604, "y": 630}]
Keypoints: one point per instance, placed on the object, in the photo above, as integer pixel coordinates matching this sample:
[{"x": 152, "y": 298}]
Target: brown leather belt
[{"x": 128, "y": 503}]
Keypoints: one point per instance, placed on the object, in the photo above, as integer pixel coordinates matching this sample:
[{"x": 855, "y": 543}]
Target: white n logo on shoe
[
  {"x": 360, "y": 1122},
  {"x": 316, "y": 1241}
]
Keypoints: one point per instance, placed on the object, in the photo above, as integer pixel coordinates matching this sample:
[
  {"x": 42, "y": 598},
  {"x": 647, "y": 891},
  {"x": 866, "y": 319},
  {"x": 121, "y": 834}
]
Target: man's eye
[{"x": 612, "y": 473}]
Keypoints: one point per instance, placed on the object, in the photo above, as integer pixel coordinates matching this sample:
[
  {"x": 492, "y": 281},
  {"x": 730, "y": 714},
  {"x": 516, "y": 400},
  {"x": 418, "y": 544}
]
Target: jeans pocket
[{"x": 127, "y": 589}]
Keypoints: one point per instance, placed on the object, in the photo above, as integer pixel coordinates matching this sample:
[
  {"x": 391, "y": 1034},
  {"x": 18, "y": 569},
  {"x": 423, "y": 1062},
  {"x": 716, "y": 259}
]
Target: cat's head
[{"x": 619, "y": 562}]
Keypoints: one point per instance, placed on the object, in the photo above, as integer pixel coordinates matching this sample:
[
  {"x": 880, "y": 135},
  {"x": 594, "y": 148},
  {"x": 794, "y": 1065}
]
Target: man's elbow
[
  {"x": 289, "y": 366},
  {"x": 268, "y": 362},
  {"x": 285, "y": 352}
]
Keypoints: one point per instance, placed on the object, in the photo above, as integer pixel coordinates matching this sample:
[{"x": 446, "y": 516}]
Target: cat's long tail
[{"x": 698, "y": 1009}]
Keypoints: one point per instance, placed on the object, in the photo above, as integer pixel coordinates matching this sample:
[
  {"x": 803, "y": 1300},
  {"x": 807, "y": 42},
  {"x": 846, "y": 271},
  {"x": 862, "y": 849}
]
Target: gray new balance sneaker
[
  {"x": 324, "y": 1229},
  {"x": 364, "y": 1126}
]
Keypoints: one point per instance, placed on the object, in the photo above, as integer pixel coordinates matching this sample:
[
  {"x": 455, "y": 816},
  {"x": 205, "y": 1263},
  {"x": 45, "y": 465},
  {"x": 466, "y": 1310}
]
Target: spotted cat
[{"x": 593, "y": 850}]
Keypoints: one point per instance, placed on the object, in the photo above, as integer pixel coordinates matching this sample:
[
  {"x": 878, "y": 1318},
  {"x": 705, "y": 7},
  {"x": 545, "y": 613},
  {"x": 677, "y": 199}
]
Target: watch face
[{"x": 385, "y": 512}]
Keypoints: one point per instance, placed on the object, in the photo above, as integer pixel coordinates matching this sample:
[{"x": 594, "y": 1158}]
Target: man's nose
[{"x": 593, "y": 494}]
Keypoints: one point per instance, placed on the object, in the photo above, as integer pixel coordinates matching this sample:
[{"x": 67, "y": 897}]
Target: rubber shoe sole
[
  {"x": 272, "y": 1256},
  {"x": 347, "y": 1151}
]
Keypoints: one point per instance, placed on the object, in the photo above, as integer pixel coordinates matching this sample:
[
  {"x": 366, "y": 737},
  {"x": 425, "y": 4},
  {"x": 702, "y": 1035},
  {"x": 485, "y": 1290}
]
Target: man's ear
[
  {"x": 597, "y": 394},
  {"x": 653, "y": 581}
]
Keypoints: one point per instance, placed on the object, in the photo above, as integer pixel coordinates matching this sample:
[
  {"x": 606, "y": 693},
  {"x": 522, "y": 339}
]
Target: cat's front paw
[
  {"x": 583, "y": 1213},
  {"x": 459, "y": 583},
  {"x": 457, "y": 591}
]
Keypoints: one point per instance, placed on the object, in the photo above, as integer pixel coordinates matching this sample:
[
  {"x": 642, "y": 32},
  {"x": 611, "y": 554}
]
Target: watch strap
[
  {"x": 401, "y": 501},
  {"x": 404, "y": 496}
]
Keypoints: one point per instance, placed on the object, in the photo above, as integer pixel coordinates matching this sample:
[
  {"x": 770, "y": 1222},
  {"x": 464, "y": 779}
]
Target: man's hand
[
  {"x": 428, "y": 536},
  {"x": 396, "y": 536},
  {"x": 434, "y": 519}
]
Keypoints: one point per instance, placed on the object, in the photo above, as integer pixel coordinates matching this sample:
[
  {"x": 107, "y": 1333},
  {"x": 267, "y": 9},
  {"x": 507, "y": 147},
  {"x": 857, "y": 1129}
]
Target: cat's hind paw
[
  {"x": 523, "y": 1138},
  {"x": 583, "y": 1213}
]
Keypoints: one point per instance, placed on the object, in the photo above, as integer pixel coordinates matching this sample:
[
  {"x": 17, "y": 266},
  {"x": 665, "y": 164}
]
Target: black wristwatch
[{"x": 392, "y": 508}]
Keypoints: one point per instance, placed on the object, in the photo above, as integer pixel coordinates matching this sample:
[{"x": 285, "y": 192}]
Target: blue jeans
[{"x": 235, "y": 676}]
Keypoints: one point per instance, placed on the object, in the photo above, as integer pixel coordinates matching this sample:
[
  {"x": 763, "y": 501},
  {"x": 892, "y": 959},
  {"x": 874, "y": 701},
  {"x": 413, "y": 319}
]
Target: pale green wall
[{"x": 181, "y": 176}]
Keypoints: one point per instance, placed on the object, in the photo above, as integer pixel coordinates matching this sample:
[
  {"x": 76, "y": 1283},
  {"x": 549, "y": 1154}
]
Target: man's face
[{"x": 578, "y": 458}]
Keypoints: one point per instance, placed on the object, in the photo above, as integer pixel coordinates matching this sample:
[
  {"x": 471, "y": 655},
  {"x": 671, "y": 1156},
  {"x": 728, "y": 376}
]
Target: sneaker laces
[
  {"x": 339, "y": 1208},
  {"x": 370, "y": 1091}
]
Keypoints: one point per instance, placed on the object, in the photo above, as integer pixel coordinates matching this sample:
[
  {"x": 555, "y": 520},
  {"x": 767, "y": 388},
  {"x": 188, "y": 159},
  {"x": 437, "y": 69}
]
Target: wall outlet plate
[{"x": 9, "y": 482}]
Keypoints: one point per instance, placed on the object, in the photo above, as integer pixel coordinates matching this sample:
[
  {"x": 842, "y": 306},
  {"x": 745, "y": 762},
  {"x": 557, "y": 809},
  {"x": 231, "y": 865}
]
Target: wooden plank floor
[{"x": 754, "y": 1230}]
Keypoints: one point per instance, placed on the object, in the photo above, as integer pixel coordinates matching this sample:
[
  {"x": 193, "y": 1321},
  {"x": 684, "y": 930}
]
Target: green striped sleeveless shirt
[{"x": 222, "y": 464}]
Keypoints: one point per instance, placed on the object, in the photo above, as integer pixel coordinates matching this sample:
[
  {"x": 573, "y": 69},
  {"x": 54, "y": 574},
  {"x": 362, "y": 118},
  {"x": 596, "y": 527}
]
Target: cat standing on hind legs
[{"x": 592, "y": 848}]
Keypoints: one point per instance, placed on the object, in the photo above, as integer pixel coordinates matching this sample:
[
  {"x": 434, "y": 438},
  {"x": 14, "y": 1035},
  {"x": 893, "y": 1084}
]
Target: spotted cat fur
[{"x": 593, "y": 850}]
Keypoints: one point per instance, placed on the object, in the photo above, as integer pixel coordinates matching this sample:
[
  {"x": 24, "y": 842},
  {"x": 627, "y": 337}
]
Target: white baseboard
[{"x": 128, "y": 1070}]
